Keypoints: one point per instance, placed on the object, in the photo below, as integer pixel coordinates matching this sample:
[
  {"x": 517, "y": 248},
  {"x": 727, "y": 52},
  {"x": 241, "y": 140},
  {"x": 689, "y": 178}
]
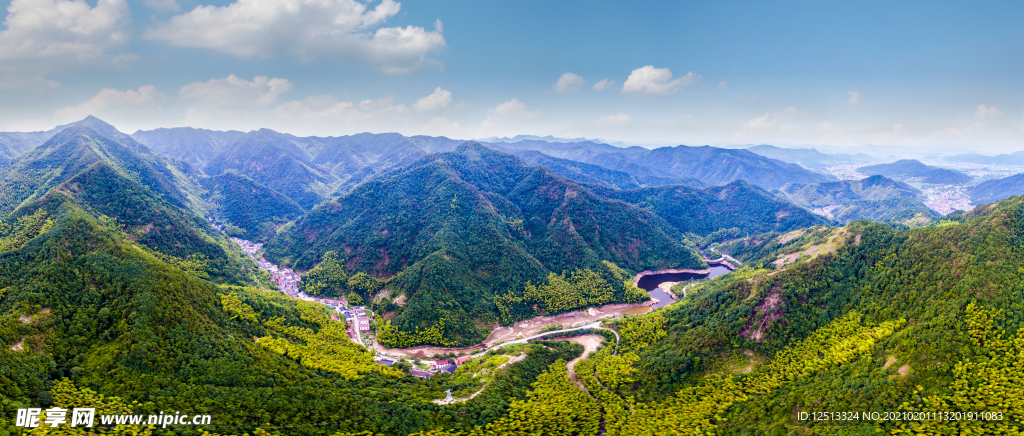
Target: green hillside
[
  {"x": 32, "y": 174},
  {"x": 731, "y": 210},
  {"x": 109, "y": 179},
  {"x": 250, "y": 209},
  {"x": 925, "y": 322},
  {"x": 875, "y": 198},
  {"x": 106, "y": 315},
  {"x": 937, "y": 284},
  {"x": 457, "y": 229},
  {"x": 275, "y": 162},
  {"x": 998, "y": 189}
]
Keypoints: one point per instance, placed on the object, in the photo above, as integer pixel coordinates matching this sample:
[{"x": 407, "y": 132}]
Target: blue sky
[{"x": 905, "y": 73}]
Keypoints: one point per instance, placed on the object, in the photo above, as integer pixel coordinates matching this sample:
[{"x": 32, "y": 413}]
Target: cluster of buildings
[
  {"x": 945, "y": 199},
  {"x": 847, "y": 172},
  {"x": 287, "y": 280},
  {"x": 358, "y": 317},
  {"x": 436, "y": 367}
]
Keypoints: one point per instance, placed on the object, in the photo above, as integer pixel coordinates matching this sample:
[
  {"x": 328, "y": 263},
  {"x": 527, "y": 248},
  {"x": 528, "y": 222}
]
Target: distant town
[{"x": 945, "y": 199}]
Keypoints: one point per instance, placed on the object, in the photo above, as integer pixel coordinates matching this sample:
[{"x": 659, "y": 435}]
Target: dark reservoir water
[{"x": 650, "y": 283}]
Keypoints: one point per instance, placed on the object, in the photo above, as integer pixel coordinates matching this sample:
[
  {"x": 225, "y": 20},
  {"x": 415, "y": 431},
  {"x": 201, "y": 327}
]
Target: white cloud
[
  {"x": 987, "y": 112},
  {"x": 854, "y": 98},
  {"x": 306, "y": 29},
  {"x": 44, "y": 36},
  {"x": 890, "y": 136},
  {"x": 604, "y": 84},
  {"x": 723, "y": 85},
  {"x": 771, "y": 122},
  {"x": 506, "y": 118},
  {"x": 614, "y": 120},
  {"x": 513, "y": 109},
  {"x": 233, "y": 91},
  {"x": 111, "y": 103},
  {"x": 656, "y": 81},
  {"x": 569, "y": 82},
  {"x": 319, "y": 108},
  {"x": 437, "y": 100}
]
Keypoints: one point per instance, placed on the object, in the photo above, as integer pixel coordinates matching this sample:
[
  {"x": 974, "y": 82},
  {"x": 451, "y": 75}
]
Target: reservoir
[{"x": 651, "y": 283}]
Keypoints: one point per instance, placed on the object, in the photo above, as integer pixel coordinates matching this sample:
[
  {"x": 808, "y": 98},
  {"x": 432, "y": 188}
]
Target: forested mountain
[
  {"x": 878, "y": 320},
  {"x": 598, "y": 175},
  {"x": 710, "y": 165},
  {"x": 252, "y": 211},
  {"x": 88, "y": 316},
  {"x": 76, "y": 148},
  {"x": 1015, "y": 158},
  {"x": 276, "y": 162},
  {"x": 456, "y": 229},
  {"x": 730, "y": 210},
  {"x": 353, "y": 159},
  {"x": 14, "y": 143},
  {"x": 108, "y": 179},
  {"x": 875, "y": 198},
  {"x": 195, "y": 146},
  {"x": 993, "y": 190},
  {"x": 809, "y": 157},
  {"x": 910, "y": 170}
]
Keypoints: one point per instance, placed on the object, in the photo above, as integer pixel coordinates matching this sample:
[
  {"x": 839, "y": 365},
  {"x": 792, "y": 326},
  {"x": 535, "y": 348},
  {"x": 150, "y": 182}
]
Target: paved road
[
  {"x": 594, "y": 325},
  {"x": 355, "y": 326}
]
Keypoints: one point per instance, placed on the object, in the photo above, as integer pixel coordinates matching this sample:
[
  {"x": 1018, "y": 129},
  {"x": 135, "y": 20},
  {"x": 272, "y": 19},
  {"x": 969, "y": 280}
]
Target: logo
[{"x": 55, "y": 416}]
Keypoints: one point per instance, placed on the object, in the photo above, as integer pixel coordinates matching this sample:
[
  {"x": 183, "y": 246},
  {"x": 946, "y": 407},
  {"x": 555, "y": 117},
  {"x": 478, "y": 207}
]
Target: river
[{"x": 658, "y": 284}]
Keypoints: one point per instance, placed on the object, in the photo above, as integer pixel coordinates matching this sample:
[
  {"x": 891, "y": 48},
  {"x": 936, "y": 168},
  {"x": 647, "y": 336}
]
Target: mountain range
[
  {"x": 468, "y": 225},
  {"x": 462, "y": 226},
  {"x": 1015, "y": 158},
  {"x": 911, "y": 170},
  {"x": 875, "y": 198},
  {"x": 116, "y": 291},
  {"x": 993, "y": 190},
  {"x": 809, "y": 157}
]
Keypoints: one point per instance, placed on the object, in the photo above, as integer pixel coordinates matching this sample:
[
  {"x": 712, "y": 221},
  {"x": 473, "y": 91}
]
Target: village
[
  {"x": 945, "y": 199},
  {"x": 356, "y": 317}
]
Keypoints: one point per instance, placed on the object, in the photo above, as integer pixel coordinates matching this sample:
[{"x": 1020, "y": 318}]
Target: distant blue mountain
[{"x": 1016, "y": 158}]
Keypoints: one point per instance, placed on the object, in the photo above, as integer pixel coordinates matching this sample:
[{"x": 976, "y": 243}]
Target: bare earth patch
[
  {"x": 904, "y": 370},
  {"x": 889, "y": 362},
  {"x": 19, "y": 346},
  {"x": 833, "y": 244},
  {"x": 513, "y": 359},
  {"x": 590, "y": 344},
  {"x": 791, "y": 236},
  {"x": 521, "y": 329}
]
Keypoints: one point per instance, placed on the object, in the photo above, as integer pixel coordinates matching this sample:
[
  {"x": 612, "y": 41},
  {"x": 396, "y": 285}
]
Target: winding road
[{"x": 594, "y": 325}]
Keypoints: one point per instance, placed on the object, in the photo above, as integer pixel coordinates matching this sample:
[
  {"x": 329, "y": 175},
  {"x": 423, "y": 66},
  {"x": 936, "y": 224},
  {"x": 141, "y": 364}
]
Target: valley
[{"x": 577, "y": 298}]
